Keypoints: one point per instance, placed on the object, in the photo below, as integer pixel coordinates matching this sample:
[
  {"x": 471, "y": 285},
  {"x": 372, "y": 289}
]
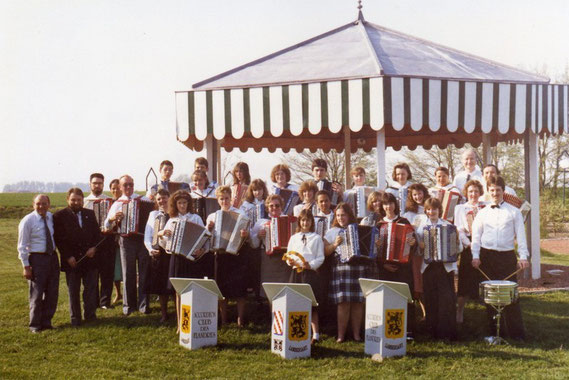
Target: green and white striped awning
[{"x": 309, "y": 115}]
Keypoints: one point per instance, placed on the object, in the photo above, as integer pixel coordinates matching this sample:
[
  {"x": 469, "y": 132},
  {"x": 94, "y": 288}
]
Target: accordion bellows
[
  {"x": 392, "y": 242},
  {"x": 101, "y": 209},
  {"x": 186, "y": 239},
  {"x": 136, "y": 212},
  {"x": 227, "y": 231},
  {"x": 441, "y": 243},
  {"x": 358, "y": 242},
  {"x": 278, "y": 233},
  {"x": 519, "y": 203},
  {"x": 256, "y": 213}
]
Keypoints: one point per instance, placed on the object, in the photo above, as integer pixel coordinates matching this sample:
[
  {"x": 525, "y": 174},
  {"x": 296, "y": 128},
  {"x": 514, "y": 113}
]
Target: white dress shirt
[
  {"x": 255, "y": 240},
  {"x": 498, "y": 229},
  {"x": 412, "y": 216},
  {"x": 88, "y": 201},
  {"x": 311, "y": 248},
  {"x": 208, "y": 192},
  {"x": 461, "y": 178},
  {"x": 440, "y": 222},
  {"x": 149, "y": 231},
  {"x": 31, "y": 235}
]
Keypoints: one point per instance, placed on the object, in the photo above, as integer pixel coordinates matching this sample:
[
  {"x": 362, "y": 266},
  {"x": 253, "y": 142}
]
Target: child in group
[
  {"x": 320, "y": 172},
  {"x": 401, "y": 181},
  {"x": 307, "y": 193},
  {"x": 375, "y": 210},
  {"x": 468, "y": 277},
  {"x": 394, "y": 271},
  {"x": 255, "y": 201},
  {"x": 241, "y": 179},
  {"x": 166, "y": 171},
  {"x": 345, "y": 289},
  {"x": 311, "y": 246},
  {"x": 202, "y": 165},
  {"x": 179, "y": 210},
  {"x": 231, "y": 270},
  {"x": 416, "y": 198},
  {"x": 281, "y": 176},
  {"x": 158, "y": 280},
  {"x": 201, "y": 186},
  {"x": 438, "y": 281}
]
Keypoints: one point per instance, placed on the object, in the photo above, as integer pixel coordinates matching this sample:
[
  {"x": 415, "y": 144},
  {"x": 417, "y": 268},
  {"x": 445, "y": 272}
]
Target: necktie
[
  {"x": 48, "y": 241},
  {"x": 78, "y": 219},
  {"x": 468, "y": 178},
  {"x": 304, "y": 239},
  {"x": 495, "y": 206}
]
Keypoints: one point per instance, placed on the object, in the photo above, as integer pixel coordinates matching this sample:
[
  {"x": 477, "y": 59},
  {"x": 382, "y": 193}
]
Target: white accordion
[
  {"x": 227, "y": 231},
  {"x": 135, "y": 215},
  {"x": 441, "y": 243},
  {"x": 186, "y": 239}
]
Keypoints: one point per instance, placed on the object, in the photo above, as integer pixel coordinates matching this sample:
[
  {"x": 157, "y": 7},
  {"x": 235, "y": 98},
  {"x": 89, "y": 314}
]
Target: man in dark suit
[{"x": 76, "y": 235}]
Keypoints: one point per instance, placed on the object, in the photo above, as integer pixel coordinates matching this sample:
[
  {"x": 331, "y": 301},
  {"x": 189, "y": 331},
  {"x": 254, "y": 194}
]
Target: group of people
[{"x": 486, "y": 240}]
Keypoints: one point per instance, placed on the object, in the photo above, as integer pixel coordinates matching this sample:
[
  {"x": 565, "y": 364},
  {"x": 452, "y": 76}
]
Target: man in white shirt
[
  {"x": 132, "y": 250},
  {"x": 471, "y": 171},
  {"x": 488, "y": 171},
  {"x": 36, "y": 250},
  {"x": 495, "y": 230},
  {"x": 106, "y": 251}
]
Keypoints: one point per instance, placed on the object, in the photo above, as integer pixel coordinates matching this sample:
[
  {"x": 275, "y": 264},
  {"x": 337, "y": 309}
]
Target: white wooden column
[
  {"x": 380, "y": 154},
  {"x": 212, "y": 156},
  {"x": 347, "y": 156},
  {"x": 531, "y": 159},
  {"x": 486, "y": 149}
]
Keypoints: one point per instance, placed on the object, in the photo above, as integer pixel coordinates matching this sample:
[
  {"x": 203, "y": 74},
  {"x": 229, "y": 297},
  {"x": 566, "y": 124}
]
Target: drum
[{"x": 499, "y": 293}]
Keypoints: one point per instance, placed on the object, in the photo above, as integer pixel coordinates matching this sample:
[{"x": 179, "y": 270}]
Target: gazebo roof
[
  {"x": 362, "y": 49},
  {"x": 360, "y": 78}
]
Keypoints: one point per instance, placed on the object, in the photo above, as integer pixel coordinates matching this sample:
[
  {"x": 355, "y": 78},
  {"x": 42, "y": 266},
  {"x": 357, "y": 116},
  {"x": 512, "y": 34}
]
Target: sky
[{"x": 88, "y": 86}]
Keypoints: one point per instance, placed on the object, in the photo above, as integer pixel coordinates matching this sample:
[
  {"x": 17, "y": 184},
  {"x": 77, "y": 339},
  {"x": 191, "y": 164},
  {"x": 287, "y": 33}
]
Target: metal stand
[{"x": 497, "y": 340}]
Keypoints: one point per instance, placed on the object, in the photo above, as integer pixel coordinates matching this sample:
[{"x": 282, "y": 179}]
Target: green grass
[
  {"x": 554, "y": 258},
  {"x": 137, "y": 346}
]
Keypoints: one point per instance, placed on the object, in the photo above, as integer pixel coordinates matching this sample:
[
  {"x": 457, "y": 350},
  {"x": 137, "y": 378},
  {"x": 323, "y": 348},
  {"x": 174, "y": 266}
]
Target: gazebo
[{"x": 363, "y": 86}]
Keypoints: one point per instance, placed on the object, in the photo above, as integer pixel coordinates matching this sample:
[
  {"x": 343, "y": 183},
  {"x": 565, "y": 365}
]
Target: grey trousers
[
  {"x": 89, "y": 279},
  {"x": 44, "y": 289},
  {"x": 133, "y": 251}
]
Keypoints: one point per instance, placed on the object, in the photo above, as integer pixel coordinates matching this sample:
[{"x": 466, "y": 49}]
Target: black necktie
[
  {"x": 48, "y": 241},
  {"x": 468, "y": 178},
  {"x": 304, "y": 239},
  {"x": 78, "y": 219}
]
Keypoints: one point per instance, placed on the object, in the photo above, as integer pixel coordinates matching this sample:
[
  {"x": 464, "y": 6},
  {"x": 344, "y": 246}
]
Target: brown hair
[
  {"x": 305, "y": 214},
  {"x": 433, "y": 203},
  {"x": 442, "y": 169},
  {"x": 116, "y": 180},
  {"x": 497, "y": 181},
  {"x": 390, "y": 198},
  {"x": 172, "y": 207},
  {"x": 201, "y": 161},
  {"x": 472, "y": 182},
  {"x": 322, "y": 192},
  {"x": 401, "y": 165},
  {"x": 241, "y": 166},
  {"x": 307, "y": 186},
  {"x": 410, "y": 204},
  {"x": 75, "y": 191},
  {"x": 166, "y": 163},
  {"x": 256, "y": 184},
  {"x": 319, "y": 163},
  {"x": 200, "y": 174},
  {"x": 280, "y": 167},
  {"x": 348, "y": 210},
  {"x": 375, "y": 196},
  {"x": 99, "y": 175},
  {"x": 271, "y": 198}
]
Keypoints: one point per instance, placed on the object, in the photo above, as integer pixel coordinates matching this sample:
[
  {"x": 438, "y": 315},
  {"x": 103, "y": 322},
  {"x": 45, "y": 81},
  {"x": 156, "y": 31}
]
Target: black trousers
[
  {"x": 440, "y": 301},
  {"x": 106, "y": 260},
  {"x": 74, "y": 279},
  {"x": 44, "y": 289},
  {"x": 499, "y": 265}
]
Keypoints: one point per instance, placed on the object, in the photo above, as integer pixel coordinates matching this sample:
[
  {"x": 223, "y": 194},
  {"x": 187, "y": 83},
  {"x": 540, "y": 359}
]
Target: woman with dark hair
[
  {"x": 241, "y": 180},
  {"x": 416, "y": 198},
  {"x": 345, "y": 289}
]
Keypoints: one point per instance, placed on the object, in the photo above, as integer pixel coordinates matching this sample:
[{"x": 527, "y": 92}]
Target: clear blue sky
[{"x": 88, "y": 85}]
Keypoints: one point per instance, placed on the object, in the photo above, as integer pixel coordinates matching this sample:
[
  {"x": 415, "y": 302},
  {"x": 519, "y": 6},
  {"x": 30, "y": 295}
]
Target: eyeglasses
[
  {"x": 275, "y": 206},
  {"x": 128, "y": 184}
]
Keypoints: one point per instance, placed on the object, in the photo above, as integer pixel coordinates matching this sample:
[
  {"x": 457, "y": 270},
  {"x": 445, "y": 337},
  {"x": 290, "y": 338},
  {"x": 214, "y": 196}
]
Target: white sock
[{"x": 316, "y": 336}]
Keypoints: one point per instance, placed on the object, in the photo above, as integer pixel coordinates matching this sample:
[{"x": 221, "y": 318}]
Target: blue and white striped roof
[{"x": 367, "y": 77}]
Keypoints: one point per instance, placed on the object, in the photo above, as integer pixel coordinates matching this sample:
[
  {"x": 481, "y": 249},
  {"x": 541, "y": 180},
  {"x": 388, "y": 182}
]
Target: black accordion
[{"x": 204, "y": 206}]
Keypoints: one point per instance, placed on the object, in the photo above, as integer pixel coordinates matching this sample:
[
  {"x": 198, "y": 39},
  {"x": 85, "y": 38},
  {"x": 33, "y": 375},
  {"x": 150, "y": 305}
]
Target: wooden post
[
  {"x": 380, "y": 155},
  {"x": 347, "y": 155},
  {"x": 531, "y": 167},
  {"x": 486, "y": 148},
  {"x": 212, "y": 156}
]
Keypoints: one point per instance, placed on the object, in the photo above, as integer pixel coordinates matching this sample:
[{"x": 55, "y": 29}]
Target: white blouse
[{"x": 310, "y": 246}]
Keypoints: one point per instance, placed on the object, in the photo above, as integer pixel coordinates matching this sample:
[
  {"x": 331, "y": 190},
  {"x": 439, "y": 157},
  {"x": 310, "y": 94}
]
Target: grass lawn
[
  {"x": 554, "y": 258},
  {"x": 137, "y": 346}
]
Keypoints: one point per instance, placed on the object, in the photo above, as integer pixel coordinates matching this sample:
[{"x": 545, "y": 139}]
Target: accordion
[
  {"x": 238, "y": 193},
  {"x": 186, "y": 239},
  {"x": 135, "y": 215},
  {"x": 357, "y": 199},
  {"x": 392, "y": 242},
  {"x": 370, "y": 219},
  {"x": 441, "y": 243},
  {"x": 324, "y": 184},
  {"x": 519, "y": 203},
  {"x": 204, "y": 206},
  {"x": 278, "y": 233},
  {"x": 290, "y": 198},
  {"x": 449, "y": 200},
  {"x": 401, "y": 195},
  {"x": 322, "y": 224},
  {"x": 101, "y": 209},
  {"x": 159, "y": 224},
  {"x": 256, "y": 213},
  {"x": 358, "y": 242},
  {"x": 227, "y": 231}
]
